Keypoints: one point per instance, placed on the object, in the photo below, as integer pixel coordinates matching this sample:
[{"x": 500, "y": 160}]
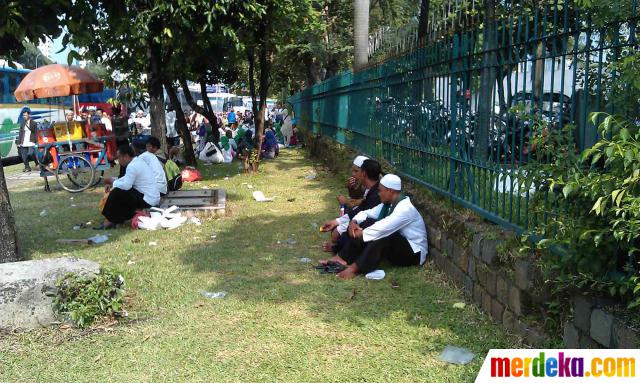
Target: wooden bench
[{"x": 204, "y": 202}]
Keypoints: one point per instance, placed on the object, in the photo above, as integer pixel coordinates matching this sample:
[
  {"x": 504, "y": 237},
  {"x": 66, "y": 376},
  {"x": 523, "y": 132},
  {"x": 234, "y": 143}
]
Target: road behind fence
[{"x": 456, "y": 111}]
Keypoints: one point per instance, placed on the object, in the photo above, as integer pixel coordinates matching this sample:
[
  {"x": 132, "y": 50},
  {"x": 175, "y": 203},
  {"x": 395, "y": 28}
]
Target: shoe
[
  {"x": 28, "y": 170},
  {"x": 25, "y": 170},
  {"x": 108, "y": 226}
]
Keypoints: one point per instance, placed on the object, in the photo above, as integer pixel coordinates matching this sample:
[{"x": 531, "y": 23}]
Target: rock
[
  {"x": 24, "y": 285},
  {"x": 582, "y": 313},
  {"x": 571, "y": 336},
  {"x": 601, "y": 327}
]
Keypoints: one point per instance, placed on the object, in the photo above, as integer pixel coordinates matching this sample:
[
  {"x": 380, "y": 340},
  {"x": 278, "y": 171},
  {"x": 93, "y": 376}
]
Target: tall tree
[
  {"x": 262, "y": 37},
  {"x": 16, "y": 25},
  {"x": 361, "y": 33}
]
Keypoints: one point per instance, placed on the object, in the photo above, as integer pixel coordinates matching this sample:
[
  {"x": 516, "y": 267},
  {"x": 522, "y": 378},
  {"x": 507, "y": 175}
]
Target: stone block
[
  {"x": 518, "y": 301},
  {"x": 476, "y": 246},
  {"x": 586, "y": 342},
  {"x": 571, "y": 336},
  {"x": 434, "y": 237},
  {"x": 455, "y": 274},
  {"x": 449, "y": 248},
  {"x": 497, "y": 310},
  {"x": 489, "y": 250},
  {"x": 582, "y": 313},
  {"x": 24, "y": 288},
  {"x": 486, "y": 302},
  {"x": 536, "y": 337},
  {"x": 460, "y": 256},
  {"x": 525, "y": 274},
  {"x": 624, "y": 336},
  {"x": 601, "y": 327},
  {"x": 508, "y": 320},
  {"x": 442, "y": 244},
  {"x": 502, "y": 289},
  {"x": 490, "y": 281},
  {"x": 482, "y": 270},
  {"x": 477, "y": 294},
  {"x": 471, "y": 269},
  {"x": 468, "y": 286}
]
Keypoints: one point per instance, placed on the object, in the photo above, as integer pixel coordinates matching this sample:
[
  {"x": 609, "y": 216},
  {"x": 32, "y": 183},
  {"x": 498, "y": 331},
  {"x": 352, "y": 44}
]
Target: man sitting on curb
[
  {"x": 137, "y": 190},
  {"x": 399, "y": 234}
]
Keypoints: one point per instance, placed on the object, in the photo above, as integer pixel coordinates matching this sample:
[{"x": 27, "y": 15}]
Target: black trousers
[
  {"x": 121, "y": 205},
  {"x": 344, "y": 238},
  {"x": 368, "y": 255},
  {"x": 27, "y": 153}
]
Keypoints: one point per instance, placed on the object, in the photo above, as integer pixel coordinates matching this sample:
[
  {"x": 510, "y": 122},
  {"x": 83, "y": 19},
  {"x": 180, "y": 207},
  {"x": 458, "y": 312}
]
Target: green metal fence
[{"x": 448, "y": 113}]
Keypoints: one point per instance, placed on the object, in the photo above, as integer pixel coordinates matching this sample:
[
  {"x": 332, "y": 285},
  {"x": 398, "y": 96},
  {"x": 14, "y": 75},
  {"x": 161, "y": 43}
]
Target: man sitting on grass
[
  {"x": 354, "y": 186},
  {"x": 135, "y": 191},
  {"x": 155, "y": 164},
  {"x": 369, "y": 177},
  {"x": 399, "y": 234}
]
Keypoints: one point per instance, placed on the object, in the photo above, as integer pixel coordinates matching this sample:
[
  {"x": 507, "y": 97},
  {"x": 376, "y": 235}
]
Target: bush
[
  {"x": 591, "y": 207},
  {"x": 84, "y": 299}
]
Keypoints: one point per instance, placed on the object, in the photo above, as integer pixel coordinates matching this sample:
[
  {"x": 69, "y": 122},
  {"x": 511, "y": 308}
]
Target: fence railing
[{"x": 455, "y": 112}]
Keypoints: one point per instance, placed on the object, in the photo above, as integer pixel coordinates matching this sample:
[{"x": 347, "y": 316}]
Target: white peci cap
[
  {"x": 391, "y": 181},
  {"x": 358, "y": 161}
]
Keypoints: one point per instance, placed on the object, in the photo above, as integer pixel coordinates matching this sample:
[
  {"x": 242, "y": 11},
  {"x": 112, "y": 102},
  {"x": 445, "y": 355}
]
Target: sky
[{"x": 60, "y": 58}]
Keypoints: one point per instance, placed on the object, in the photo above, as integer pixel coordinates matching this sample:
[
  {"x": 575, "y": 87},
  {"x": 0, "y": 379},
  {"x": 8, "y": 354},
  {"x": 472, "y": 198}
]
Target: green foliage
[
  {"x": 592, "y": 205},
  {"x": 85, "y": 299}
]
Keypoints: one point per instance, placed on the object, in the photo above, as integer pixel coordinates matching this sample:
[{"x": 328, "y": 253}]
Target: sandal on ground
[{"x": 108, "y": 226}]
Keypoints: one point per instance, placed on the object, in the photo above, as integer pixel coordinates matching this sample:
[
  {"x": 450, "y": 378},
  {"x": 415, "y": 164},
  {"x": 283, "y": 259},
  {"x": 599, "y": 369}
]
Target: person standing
[
  {"x": 27, "y": 140},
  {"x": 173, "y": 138},
  {"x": 231, "y": 118}
]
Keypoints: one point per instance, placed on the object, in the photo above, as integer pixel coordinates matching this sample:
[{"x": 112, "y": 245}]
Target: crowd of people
[
  {"x": 236, "y": 132},
  {"x": 377, "y": 223}
]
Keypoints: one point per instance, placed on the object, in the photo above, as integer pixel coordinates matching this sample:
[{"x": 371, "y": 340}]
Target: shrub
[{"x": 84, "y": 299}]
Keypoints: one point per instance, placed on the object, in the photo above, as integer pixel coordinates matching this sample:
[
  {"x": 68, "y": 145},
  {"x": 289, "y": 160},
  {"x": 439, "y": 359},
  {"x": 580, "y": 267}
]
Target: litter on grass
[
  {"x": 153, "y": 243},
  {"x": 130, "y": 262},
  {"x": 195, "y": 220},
  {"x": 161, "y": 218},
  {"x": 456, "y": 355},
  {"x": 216, "y": 295},
  {"x": 97, "y": 239},
  {"x": 376, "y": 275},
  {"x": 44, "y": 212},
  {"x": 259, "y": 196},
  {"x": 305, "y": 260},
  {"x": 311, "y": 177},
  {"x": 291, "y": 241},
  {"x": 459, "y": 305}
]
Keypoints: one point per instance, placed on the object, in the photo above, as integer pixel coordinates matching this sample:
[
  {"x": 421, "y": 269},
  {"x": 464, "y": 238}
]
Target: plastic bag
[{"x": 191, "y": 174}]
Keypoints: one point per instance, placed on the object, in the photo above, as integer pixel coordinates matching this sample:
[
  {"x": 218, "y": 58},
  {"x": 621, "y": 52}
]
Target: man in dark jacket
[
  {"x": 27, "y": 140},
  {"x": 371, "y": 171}
]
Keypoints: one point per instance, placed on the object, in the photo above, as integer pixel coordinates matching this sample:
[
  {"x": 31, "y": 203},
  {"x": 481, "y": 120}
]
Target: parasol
[{"x": 57, "y": 80}]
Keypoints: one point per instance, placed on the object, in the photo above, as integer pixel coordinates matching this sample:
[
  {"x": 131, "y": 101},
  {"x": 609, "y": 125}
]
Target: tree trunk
[
  {"x": 208, "y": 113},
  {"x": 423, "y": 20},
  {"x": 211, "y": 114},
  {"x": 9, "y": 250},
  {"x": 156, "y": 95},
  {"x": 361, "y": 34},
  {"x": 181, "y": 124},
  {"x": 487, "y": 81},
  {"x": 538, "y": 73}
]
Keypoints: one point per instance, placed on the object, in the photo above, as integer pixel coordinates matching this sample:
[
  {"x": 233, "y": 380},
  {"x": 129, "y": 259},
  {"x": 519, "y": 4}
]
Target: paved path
[{"x": 19, "y": 178}]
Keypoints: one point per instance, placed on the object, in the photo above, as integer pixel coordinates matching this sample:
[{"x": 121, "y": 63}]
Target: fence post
[{"x": 453, "y": 107}]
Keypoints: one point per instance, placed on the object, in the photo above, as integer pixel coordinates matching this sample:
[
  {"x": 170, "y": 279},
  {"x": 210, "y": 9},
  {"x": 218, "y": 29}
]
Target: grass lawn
[
  {"x": 281, "y": 320},
  {"x": 10, "y": 170}
]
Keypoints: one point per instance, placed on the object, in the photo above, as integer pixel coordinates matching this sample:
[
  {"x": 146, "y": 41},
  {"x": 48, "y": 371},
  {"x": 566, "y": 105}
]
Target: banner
[{"x": 560, "y": 365}]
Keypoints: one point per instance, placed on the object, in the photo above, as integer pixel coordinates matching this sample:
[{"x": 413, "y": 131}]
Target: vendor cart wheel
[
  {"x": 75, "y": 174},
  {"x": 98, "y": 177}
]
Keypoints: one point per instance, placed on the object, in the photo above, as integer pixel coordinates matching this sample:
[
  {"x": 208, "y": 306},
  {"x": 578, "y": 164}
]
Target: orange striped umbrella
[{"x": 57, "y": 80}]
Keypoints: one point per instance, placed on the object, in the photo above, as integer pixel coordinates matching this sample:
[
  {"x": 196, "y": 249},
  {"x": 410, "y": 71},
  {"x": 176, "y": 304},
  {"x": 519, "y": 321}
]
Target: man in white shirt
[
  {"x": 151, "y": 158},
  {"x": 399, "y": 234},
  {"x": 104, "y": 119},
  {"x": 135, "y": 191}
]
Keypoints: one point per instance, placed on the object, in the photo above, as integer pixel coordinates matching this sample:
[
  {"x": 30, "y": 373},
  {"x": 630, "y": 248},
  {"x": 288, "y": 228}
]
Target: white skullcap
[
  {"x": 358, "y": 161},
  {"x": 391, "y": 181}
]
